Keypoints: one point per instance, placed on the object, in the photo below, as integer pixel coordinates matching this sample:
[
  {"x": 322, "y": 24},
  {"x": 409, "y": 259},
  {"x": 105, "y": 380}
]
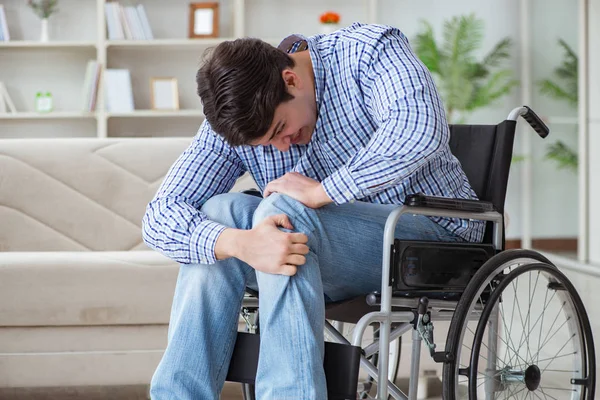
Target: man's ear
[{"x": 290, "y": 78}]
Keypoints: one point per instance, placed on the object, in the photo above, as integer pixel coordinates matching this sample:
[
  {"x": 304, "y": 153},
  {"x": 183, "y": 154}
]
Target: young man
[{"x": 336, "y": 130}]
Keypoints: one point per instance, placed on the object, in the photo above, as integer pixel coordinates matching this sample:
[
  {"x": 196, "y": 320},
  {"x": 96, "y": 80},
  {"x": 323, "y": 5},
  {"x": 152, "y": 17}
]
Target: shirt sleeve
[
  {"x": 174, "y": 224},
  {"x": 411, "y": 125}
]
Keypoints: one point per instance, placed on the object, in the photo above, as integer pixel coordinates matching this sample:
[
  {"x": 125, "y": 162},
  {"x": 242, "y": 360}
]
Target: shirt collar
[{"x": 317, "y": 63}]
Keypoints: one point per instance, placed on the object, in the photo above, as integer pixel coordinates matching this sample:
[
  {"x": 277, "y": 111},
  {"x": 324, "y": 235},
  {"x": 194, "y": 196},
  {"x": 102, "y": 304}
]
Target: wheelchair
[{"x": 518, "y": 328}]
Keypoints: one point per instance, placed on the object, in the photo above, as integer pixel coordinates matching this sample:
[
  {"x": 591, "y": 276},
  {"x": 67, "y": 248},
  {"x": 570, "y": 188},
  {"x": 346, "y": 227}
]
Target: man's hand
[
  {"x": 297, "y": 186},
  {"x": 268, "y": 249}
]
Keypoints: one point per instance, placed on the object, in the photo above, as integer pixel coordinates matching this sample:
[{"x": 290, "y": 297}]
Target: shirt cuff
[
  {"x": 341, "y": 188},
  {"x": 203, "y": 242}
]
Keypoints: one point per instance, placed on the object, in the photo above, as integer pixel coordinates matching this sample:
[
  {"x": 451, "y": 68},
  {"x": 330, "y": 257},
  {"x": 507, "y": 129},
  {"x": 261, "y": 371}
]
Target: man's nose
[{"x": 282, "y": 145}]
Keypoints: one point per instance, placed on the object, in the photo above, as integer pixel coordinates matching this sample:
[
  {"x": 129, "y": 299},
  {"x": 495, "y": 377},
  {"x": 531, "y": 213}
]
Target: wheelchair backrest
[{"x": 485, "y": 153}]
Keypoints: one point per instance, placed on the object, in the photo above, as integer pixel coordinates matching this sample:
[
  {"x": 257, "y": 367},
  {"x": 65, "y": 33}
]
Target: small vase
[
  {"x": 329, "y": 28},
  {"x": 44, "y": 33}
]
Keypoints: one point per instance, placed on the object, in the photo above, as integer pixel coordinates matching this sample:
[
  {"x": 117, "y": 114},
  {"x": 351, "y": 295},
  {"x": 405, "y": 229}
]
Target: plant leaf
[
  {"x": 497, "y": 85},
  {"x": 565, "y": 85},
  {"x": 563, "y": 155},
  {"x": 498, "y": 54},
  {"x": 553, "y": 90},
  {"x": 463, "y": 35},
  {"x": 426, "y": 48}
]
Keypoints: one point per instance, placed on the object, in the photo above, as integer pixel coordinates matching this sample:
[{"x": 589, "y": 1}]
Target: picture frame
[
  {"x": 204, "y": 20},
  {"x": 164, "y": 93}
]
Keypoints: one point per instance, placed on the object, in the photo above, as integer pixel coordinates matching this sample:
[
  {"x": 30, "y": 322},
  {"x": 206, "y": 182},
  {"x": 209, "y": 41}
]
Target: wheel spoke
[
  {"x": 509, "y": 336},
  {"x": 553, "y": 323},
  {"x": 552, "y": 388},
  {"x": 516, "y": 393},
  {"x": 542, "y": 324},
  {"x": 518, "y": 309},
  {"x": 555, "y": 357},
  {"x": 483, "y": 344},
  {"x": 541, "y": 315},
  {"x": 554, "y": 334},
  {"x": 536, "y": 395},
  {"x": 546, "y": 394},
  {"x": 508, "y": 347}
]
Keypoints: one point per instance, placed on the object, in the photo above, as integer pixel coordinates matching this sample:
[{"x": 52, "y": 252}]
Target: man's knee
[
  {"x": 278, "y": 203},
  {"x": 234, "y": 210}
]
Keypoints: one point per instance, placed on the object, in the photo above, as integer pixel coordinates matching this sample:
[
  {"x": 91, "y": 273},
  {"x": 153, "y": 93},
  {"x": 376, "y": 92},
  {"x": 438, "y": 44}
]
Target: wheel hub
[{"x": 533, "y": 376}]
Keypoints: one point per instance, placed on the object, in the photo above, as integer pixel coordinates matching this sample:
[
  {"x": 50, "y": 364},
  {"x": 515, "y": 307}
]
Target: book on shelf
[
  {"x": 118, "y": 91},
  {"x": 6, "y": 103},
  {"x": 127, "y": 22},
  {"x": 4, "y": 35},
  {"x": 90, "y": 85}
]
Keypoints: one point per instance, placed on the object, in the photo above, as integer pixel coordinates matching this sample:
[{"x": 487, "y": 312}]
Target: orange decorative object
[{"x": 330, "y": 17}]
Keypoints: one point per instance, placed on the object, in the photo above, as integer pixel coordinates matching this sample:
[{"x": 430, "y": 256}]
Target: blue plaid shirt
[{"x": 381, "y": 134}]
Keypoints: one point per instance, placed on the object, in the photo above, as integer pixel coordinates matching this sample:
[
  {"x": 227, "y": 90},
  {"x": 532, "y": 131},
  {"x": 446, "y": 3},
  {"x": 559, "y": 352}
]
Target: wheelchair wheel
[{"x": 519, "y": 331}]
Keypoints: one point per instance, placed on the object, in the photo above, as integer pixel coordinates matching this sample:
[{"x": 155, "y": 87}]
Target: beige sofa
[{"x": 82, "y": 300}]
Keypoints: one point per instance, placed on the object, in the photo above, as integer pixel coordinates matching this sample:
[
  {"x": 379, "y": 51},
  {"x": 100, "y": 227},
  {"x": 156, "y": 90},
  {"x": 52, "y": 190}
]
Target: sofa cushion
[
  {"x": 81, "y": 194},
  {"x": 85, "y": 288}
]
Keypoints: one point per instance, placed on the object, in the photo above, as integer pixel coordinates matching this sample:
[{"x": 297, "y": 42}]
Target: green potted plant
[
  {"x": 43, "y": 9},
  {"x": 564, "y": 88},
  {"x": 465, "y": 83}
]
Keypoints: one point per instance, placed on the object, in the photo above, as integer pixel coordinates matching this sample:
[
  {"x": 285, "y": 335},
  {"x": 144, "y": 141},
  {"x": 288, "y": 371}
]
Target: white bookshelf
[
  {"x": 49, "y": 115},
  {"x": 157, "y": 114},
  {"x": 31, "y": 44},
  {"x": 78, "y": 34},
  {"x": 175, "y": 43}
]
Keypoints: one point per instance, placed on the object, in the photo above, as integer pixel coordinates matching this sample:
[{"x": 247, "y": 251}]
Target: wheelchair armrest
[{"x": 421, "y": 200}]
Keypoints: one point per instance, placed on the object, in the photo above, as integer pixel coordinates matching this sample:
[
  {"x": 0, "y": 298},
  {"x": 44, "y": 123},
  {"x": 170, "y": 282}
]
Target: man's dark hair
[{"x": 240, "y": 86}]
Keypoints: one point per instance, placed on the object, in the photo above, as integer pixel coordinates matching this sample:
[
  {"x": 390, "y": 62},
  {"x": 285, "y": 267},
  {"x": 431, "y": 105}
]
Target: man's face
[{"x": 294, "y": 120}]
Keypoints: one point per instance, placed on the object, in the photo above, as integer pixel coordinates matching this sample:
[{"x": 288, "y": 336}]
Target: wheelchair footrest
[{"x": 342, "y": 363}]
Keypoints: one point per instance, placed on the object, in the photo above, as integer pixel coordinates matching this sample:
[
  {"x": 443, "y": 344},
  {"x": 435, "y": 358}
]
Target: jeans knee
[
  {"x": 278, "y": 203},
  {"x": 234, "y": 210}
]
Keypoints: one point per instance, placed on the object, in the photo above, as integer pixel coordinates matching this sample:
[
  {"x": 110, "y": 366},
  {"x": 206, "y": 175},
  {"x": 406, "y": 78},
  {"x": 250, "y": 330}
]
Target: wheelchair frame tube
[
  {"x": 415, "y": 365},
  {"x": 516, "y": 113},
  {"x": 386, "y": 289}
]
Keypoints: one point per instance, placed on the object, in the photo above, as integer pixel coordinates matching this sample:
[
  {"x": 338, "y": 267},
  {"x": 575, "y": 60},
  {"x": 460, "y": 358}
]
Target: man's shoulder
[
  {"x": 358, "y": 41},
  {"x": 367, "y": 34}
]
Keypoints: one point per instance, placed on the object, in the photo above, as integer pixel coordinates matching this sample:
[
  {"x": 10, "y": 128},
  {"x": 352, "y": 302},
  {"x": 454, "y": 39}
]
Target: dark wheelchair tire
[{"x": 518, "y": 373}]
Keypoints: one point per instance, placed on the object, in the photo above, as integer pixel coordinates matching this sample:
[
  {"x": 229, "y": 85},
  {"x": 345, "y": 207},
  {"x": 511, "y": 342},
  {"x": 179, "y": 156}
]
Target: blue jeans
[{"x": 345, "y": 244}]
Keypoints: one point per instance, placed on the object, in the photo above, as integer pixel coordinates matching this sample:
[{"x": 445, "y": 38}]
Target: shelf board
[
  {"x": 157, "y": 113},
  {"x": 171, "y": 43},
  {"x": 31, "y": 44},
  {"x": 49, "y": 115}
]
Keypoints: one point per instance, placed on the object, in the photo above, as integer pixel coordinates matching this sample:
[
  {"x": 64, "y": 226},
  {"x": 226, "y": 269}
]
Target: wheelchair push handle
[
  {"x": 536, "y": 122},
  {"x": 532, "y": 118}
]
